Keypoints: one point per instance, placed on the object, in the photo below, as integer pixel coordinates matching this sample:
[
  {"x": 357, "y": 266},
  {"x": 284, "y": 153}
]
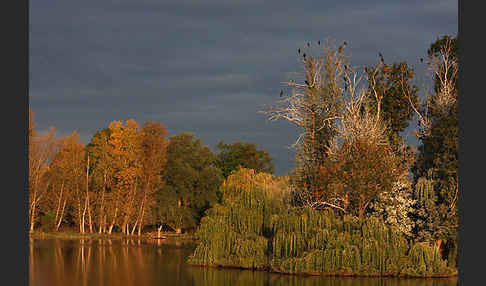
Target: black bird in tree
[
  {"x": 308, "y": 45},
  {"x": 381, "y": 57},
  {"x": 304, "y": 56},
  {"x": 281, "y": 93},
  {"x": 421, "y": 60},
  {"x": 319, "y": 42},
  {"x": 340, "y": 49},
  {"x": 298, "y": 51}
]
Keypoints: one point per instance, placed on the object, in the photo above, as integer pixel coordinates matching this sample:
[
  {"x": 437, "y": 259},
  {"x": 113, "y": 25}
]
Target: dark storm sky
[{"x": 205, "y": 67}]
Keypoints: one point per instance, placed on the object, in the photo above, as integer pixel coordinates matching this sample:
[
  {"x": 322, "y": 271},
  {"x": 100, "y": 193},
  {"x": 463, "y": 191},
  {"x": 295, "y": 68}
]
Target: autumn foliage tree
[
  {"x": 69, "y": 167},
  {"x": 357, "y": 173},
  {"x": 124, "y": 151}
]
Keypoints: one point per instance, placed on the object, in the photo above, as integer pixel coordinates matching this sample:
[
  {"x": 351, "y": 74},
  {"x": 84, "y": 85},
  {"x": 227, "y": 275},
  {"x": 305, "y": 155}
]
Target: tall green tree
[
  {"x": 191, "y": 182},
  {"x": 244, "y": 155},
  {"x": 439, "y": 145},
  {"x": 390, "y": 81},
  {"x": 436, "y": 165}
]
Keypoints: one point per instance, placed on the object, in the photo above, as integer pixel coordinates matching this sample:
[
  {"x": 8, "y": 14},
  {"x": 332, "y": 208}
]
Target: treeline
[
  {"x": 128, "y": 178},
  {"x": 360, "y": 200}
]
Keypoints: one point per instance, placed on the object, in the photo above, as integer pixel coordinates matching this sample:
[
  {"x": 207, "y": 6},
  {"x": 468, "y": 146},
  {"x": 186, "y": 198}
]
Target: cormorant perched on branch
[
  {"x": 308, "y": 44},
  {"x": 304, "y": 55},
  {"x": 345, "y": 43},
  {"x": 421, "y": 60},
  {"x": 319, "y": 42},
  {"x": 381, "y": 57},
  {"x": 298, "y": 51},
  {"x": 281, "y": 93},
  {"x": 306, "y": 82}
]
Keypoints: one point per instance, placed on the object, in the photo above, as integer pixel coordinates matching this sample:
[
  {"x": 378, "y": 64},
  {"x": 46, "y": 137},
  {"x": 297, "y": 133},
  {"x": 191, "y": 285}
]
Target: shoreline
[
  {"x": 336, "y": 274},
  {"x": 166, "y": 237}
]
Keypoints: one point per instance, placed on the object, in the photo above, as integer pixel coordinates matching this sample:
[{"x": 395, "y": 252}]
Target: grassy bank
[{"x": 166, "y": 237}]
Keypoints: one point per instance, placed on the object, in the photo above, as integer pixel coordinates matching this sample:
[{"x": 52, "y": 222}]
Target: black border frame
[{"x": 17, "y": 81}]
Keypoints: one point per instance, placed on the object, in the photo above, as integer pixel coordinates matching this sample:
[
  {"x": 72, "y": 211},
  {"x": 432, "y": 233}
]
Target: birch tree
[
  {"x": 101, "y": 177},
  {"x": 153, "y": 162},
  {"x": 41, "y": 150}
]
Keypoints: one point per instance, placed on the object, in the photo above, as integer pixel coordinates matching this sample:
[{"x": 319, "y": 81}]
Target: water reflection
[{"x": 137, "y": 262}]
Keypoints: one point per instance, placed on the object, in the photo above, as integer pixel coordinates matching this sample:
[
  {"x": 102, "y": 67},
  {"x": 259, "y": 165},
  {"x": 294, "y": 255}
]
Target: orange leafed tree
[
  {"x": 124, "y": 150},
  {"x": 358, "y": 172},
  {"x": 69, "y": 182}
]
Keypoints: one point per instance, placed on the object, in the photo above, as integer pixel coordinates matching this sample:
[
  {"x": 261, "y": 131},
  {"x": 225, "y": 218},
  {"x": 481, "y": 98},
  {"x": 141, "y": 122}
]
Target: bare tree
[
  {"x": 315, "y": 105},
  {"x": 444, "y": 69},
  {"x": 330, "y": 106}
]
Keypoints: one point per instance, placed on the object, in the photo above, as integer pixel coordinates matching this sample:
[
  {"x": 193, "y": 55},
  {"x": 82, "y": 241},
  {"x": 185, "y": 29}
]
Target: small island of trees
[{"x": 359, "y": 201}]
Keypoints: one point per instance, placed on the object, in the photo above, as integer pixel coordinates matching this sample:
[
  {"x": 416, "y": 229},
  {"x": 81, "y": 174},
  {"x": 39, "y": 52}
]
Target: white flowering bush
[{"x": 395, "y": 206}]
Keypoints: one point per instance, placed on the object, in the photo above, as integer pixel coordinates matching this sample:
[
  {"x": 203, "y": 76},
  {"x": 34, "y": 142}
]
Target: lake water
[{"x": 56, "y": 262}]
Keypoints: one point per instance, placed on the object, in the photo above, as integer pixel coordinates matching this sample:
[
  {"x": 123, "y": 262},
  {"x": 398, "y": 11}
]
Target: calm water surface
[{"x": 57, "y": 262}]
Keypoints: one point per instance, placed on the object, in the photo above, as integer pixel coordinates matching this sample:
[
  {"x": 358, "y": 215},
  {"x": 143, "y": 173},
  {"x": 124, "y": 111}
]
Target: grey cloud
[{"x": 204, "y": 66}]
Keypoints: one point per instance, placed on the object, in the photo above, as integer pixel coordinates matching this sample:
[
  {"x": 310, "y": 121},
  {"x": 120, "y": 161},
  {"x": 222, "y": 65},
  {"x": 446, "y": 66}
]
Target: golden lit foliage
[
  {"x": 68, "y": 170},
  {"x": 124, "y": 151},
  {"x": 41, "y": 150}
]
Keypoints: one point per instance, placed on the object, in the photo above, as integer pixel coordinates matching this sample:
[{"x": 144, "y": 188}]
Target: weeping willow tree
[
  {"x": 319, "y": 242},
  {"x": 235, "y": 232},
  {"x": 255, "y": 228}
]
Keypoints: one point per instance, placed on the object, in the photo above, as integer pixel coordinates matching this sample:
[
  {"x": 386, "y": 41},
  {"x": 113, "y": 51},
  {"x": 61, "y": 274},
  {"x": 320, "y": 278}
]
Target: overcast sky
[{"x": 205, "y": 67}]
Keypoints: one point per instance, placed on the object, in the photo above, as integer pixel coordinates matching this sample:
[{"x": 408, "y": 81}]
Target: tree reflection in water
[{"x": 130, "y": 262}]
